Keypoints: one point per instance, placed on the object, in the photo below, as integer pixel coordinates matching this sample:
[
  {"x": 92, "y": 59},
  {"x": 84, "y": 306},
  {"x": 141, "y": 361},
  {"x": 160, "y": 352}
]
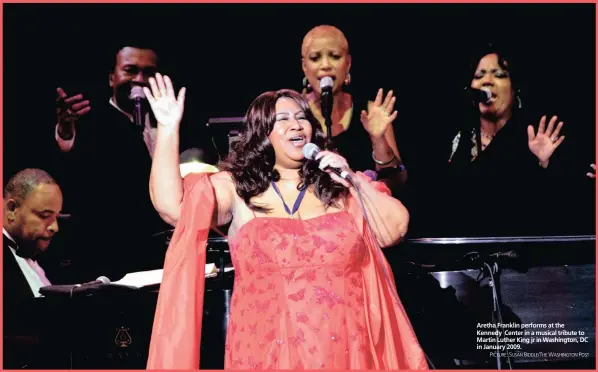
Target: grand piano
[
  {"x": 454, "y": 287},
  {"x": 450, "y": 287}
]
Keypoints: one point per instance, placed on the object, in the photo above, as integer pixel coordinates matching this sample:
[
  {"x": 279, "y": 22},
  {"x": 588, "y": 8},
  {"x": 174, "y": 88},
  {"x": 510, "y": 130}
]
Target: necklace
[{"x": 486, "y": 139}]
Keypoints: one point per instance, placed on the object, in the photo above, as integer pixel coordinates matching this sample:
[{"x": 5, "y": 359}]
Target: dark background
[{"x": 227, "y": 54}]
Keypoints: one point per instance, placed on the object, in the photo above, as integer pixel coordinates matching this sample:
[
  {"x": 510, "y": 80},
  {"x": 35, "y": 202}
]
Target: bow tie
[{"x": 19, "y": 251}]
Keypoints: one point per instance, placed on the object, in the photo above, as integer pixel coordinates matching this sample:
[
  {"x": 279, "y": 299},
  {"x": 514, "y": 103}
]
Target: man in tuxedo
[
  {"x": 31, "y": 206},
  {"x": 32, "y": 203}
]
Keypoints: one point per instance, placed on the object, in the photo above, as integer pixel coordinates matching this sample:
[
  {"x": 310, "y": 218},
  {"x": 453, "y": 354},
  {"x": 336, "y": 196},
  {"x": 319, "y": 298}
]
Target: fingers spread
[{"x": 542, "y": 125}]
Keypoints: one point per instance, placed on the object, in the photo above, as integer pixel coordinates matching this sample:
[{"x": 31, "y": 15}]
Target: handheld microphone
[
  {"x": 371, "y": 174},
  {"x": 483, "y": 96},
  {"x": 136, "y": 96},
  {"x": 310, "y": 151}
]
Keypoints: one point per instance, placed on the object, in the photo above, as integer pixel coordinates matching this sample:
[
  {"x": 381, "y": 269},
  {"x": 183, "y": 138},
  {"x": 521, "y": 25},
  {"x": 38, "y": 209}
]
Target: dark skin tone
[
  {"x": 134, "y": 66},
  {"x": 33, "y": 222}
]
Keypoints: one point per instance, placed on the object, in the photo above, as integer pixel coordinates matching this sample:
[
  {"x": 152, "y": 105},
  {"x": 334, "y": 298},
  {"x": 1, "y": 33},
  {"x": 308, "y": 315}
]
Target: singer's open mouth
[
  {"x": 492, "y": 95},
  {"x": 333, "y": 77},
  {"x": 298, "y": 141}
]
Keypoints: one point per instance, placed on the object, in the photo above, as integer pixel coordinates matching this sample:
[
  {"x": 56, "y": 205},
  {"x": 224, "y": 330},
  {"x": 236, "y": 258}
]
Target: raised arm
[
  {"x": 545, "y": 142},
  {"x": 68, "y": 111},
  {"x": 388, "y": 217},
  {"x": 377, "y": 121},
  {"x": 166, "y": 183}
]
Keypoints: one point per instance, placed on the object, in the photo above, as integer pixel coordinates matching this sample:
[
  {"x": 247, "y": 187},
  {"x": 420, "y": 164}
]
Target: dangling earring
[
  {"x": 306, "y": 85},
  {"x": 519, "y": 102},
  {"x": 348, "y": 79}
]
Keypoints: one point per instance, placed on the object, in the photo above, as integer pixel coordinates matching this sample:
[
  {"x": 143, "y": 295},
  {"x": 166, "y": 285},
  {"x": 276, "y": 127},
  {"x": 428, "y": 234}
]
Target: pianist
[
  {"x": 31, "y": 206},
  {"x": 32, "y": 203}
]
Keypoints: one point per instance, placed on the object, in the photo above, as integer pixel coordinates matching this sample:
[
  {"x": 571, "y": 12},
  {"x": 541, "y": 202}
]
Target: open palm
[
  {"x": 546, "y": 140},
  {"x": 379, "y": 115},
  {"x": 167, "y": 108}
]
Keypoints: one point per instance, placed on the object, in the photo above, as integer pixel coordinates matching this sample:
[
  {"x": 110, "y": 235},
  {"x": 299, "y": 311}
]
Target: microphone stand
[
  {"x": 326, "y": 103},
  {"x": 493, "y": 272},
  {"x": 328, "y": 122},
  {"x": 490, "y": 269}
]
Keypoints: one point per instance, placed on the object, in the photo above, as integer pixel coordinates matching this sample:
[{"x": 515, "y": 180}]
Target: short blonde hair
[{"x": 324, "y": 31}]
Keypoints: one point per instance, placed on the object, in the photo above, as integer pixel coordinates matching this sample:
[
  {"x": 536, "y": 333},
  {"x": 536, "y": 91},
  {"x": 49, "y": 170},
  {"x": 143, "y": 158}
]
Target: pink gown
[{"x": 308, "y": 294}]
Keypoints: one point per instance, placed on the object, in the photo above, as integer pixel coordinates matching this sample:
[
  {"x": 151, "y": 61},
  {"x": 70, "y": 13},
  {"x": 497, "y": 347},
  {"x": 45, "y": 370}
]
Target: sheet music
[{"x": 153, "y": 277}]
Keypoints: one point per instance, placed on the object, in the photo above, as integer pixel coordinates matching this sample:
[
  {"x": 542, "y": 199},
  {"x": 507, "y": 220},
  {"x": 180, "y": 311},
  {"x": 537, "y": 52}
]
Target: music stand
[{"x": 224, "y": 130}]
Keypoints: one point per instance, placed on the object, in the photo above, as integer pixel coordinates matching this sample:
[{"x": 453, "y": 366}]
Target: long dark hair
[
  {"x": 507, "y": 61},
  {"x": 251, "y": 158}
]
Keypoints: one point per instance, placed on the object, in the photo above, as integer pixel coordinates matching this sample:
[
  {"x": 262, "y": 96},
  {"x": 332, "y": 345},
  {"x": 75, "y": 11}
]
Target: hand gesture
[
  {"x": 592, "y": 174},
  {"x": 69, "y": 109},
  {"x": 167, "y": 108},
  {"x": 334, "y": 160},
  {"x": 380, "y": 115},
  {"x": 546, "y": 141}
]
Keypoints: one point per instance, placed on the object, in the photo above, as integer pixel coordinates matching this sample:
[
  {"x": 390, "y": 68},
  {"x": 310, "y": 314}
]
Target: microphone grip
[
  {"x": 138, "y": 113},
  {"x": 341, "y": 173}
]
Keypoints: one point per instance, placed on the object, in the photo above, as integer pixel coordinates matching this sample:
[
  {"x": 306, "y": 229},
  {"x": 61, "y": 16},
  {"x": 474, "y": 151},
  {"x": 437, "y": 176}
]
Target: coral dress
[
  {"x": 308, "y": 294},
  {"x": 298, "y": 295}
]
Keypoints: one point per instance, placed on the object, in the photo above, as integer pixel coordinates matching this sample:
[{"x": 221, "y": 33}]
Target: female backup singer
[
  {"x": 499, "y": 163},
  {"x": 312, "y": 289},
  {"x": 493, "y": 74},
  {"x": 362, "y": 131}
]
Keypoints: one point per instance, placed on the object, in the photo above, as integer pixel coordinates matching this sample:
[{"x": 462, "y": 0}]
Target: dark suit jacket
[
  {"x": 32, "y": 326},
  {"x": 19, "y": 334},
  {"x": 15, "y": 286},
  {"x": 105, "y": 178}
]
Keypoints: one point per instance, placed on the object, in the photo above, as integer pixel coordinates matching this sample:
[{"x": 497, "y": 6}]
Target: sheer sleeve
[{"x": 176, "y": 333}]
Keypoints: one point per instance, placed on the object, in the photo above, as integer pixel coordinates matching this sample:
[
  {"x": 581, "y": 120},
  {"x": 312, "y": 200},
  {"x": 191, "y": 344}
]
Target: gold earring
[{"x": 306, "y": 84}]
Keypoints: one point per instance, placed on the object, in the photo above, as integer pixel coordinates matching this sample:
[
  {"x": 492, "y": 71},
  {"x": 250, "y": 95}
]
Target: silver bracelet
[{"x": 383, "y": 162}]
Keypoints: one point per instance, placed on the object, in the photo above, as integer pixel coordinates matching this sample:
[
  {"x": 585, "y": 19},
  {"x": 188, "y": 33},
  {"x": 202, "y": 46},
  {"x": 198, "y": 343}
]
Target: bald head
[
  {"x": 324, "y": 31},
  {"x": 24, "y": 182}
]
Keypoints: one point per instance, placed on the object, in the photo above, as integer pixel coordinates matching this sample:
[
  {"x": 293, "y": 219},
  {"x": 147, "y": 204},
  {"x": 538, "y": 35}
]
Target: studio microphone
[
  {"x": 483, "y": 96},
  {"x": 326, "y": 85},
  {"x": 136, "y": 96},
  {"x": 310, "y": 151},
  {"x": 100, "y": 280}
]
